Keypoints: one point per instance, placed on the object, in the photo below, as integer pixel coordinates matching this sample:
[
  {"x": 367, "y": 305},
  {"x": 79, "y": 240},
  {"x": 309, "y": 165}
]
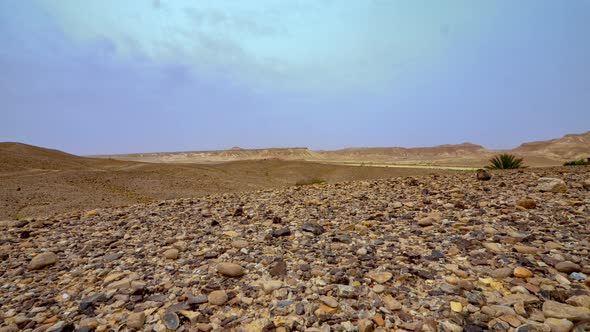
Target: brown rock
[
  {"x": 171, "y": 253},
  {"x": 136, "y": 320},
  {"x": 483, "y": 175},
  {"x": 560, "y": 310},
  {"x": 559, "y": 325},
  {"x": 527, "y": 203},
  {"x": 568, "y": 267},
  {"x": 217, "y": 297},
  {"x": 551, "y": 185},
  {"x": 42, "y": 260},
  {"x": 522, "y": 272},
  {"x": 230, "y": 269}
]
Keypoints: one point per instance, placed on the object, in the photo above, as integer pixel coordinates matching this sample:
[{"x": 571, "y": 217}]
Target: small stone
[
  {"x": 527, "y": 203},
  {"x": 526, "y": 249},
  {"x": 568, "y": 267},
  {"x": 522, "y": 272},
  {"x": 281, "y": 232},
  {"x": 483, "y": 175},
  {"x": 559, "y": 325},
  {"x": 199, "y": 299},
  {"x": 378, "y": 289},
  {"x": 136, "y": 320},
  {"x": 279, "y": 269},
  {"x": 560, "y": 310},
  {"x": 239, "y": 244},
  {"x": 315, "y": 229},
  {"x": 501, "y": 273},
  {"x": 391, "y": 303},
  {"x": 171, "y": 253},
  {"x": 230, "y": 269},
  {"x": 551, "y": 185},
  {"x": 272, "y": 285},
  {"x": 217, "y": 297},
  {"x": 456, "y": 306},
  {"x": 492, "y": 246},
  {"x": 205, "y": 327},
  {"x": 171, "y": 320},
  {"x": 329, "y": 301},
  {"x": 42, "y": 260},
  {"x": 578, "y": 276},
  {"x": 380, "y": 277},
  {"x": 586, "y": 184},
  {"x": 365, "y": 325}
]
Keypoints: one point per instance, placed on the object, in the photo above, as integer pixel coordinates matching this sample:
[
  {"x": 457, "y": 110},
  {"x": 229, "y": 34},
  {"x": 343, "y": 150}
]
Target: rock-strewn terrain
[{"x": 432, "y": 253}]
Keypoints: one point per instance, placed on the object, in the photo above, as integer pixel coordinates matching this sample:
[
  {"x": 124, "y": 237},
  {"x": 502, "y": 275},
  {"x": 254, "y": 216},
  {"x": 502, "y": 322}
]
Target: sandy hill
[
  {"x": 568, "y": 147},
  {"x": 544, "y": 153}
]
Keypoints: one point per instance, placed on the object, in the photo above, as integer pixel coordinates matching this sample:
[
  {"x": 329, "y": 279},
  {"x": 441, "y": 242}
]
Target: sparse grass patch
[
  {"x": 308, "y": 182},
  {"x": 579, "y": 162},
  {"x": 505, "y": 161}
]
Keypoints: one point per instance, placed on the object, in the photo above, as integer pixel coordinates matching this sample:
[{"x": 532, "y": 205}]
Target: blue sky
[{"x": 93, "y": 77}]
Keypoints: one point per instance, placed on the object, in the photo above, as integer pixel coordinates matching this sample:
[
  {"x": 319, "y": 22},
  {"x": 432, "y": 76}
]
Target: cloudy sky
[{"x": 112, "y": 76}]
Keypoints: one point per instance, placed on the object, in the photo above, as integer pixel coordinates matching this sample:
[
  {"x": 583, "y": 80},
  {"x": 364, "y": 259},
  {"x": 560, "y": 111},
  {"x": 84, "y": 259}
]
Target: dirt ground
[{"x": 109, "y": 183}]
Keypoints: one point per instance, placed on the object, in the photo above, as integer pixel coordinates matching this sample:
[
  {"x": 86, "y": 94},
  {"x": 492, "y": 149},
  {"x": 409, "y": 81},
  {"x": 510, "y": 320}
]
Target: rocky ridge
[{"x": 433, "y": 253}]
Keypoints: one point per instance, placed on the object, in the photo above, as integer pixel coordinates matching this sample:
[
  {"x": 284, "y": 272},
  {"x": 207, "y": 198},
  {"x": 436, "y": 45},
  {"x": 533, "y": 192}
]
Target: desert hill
[
  {"x": 544, "y": 153},
  {"x": 568, "y": 147}
]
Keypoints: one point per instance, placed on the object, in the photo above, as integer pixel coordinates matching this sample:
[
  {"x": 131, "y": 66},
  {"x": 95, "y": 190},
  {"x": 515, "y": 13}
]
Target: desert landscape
[
  {"x": 260, "y": 243},
  {"x": 294, "y": 166}
]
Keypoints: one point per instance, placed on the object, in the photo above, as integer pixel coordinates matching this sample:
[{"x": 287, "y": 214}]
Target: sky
[{"x": 103, "y": 77}]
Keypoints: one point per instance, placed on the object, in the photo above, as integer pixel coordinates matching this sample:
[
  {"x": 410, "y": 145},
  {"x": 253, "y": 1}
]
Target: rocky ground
[{"x": 432, "y": 253}]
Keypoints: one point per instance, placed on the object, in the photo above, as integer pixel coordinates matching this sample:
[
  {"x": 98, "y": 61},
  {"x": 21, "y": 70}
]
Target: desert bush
[
  {"x": 505, "y": 161},
  {"x": 308, "y": 182},
  {"x": 579, "y": 162}
]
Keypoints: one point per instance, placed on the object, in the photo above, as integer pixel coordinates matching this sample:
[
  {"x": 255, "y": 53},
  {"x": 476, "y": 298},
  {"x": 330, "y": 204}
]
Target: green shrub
[
  {"x": 505, "y": 161},
  {"x": 578, "y": 162},
  {"x": 308, "y": 182}
]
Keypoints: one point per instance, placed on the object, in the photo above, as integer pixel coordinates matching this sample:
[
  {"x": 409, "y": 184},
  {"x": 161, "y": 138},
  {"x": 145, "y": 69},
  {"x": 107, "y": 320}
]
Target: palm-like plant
[{"x": 505, "y": 161}]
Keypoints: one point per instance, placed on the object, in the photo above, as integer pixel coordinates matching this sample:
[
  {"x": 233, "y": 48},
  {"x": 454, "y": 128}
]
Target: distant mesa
[{"x": 541, "y": 153}]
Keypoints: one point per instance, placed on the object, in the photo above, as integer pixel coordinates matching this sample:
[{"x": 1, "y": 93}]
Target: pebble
[
  {"x": 218, "y": 297},
  {"x": 527, "y": 203},
  {"x": 329, "y": 301},
  {"x": 136, "y": 320},
  {"x": 391, "y": 303},
  {"x": 522, "y": 272},
  {"x": 230, "y": 269},
  {"x": 568, "y": 267},
  {"x": 380, "y": 277},
  {"x": 171, "y": 253}
]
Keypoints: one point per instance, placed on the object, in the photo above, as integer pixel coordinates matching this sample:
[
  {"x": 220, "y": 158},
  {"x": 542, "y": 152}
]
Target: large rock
[
  {"x": 561, "y": 310},
  {"x": 553, "y": 185},
  {"x": 42, "y": 260}
]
